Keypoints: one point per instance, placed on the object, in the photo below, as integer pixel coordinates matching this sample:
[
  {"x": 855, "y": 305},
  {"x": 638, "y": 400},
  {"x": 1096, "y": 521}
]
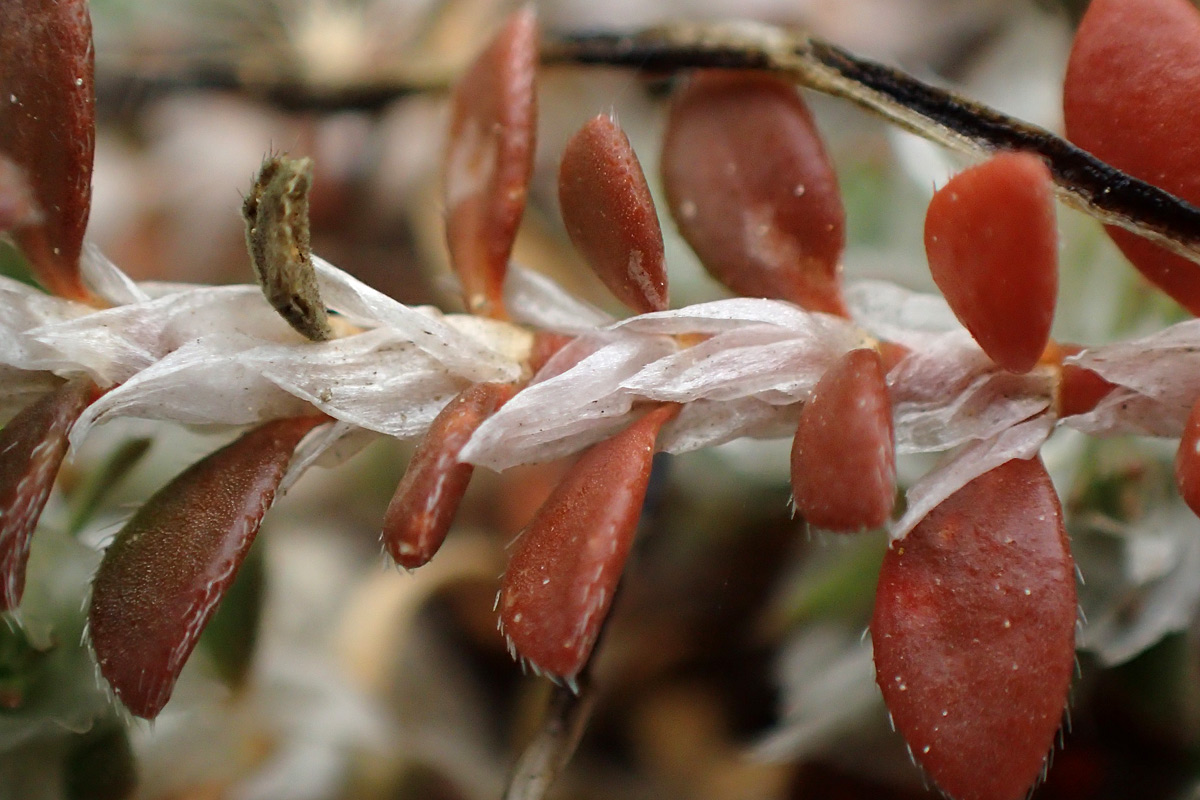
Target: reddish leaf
[
  {"x": 752, "y": 191},
  {"x": 164, "y": 574},
  {"x": 546, "y": 345},
  {"x": 1132, "y": 97},
  {"x": 992, "y": 245},
  {"x": 1187, "y": 461},
  {"x": 47, "y": 127},
  {"x": 1079, "y": 389},
  {"x": 844, "y": 453},
  {"x": 974, "y": 633},
  {"x": 565, "y": 567},
  {"x": 489, "y": 161},
  {"x": 419, "y": 516},
  {"x": 610, "y": 216},
  {"x": 32, "y": 447}
]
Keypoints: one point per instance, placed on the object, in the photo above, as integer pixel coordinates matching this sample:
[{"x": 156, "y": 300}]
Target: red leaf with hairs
[
  {"x": 1132, "y": 97},
  {"x": 610, "y": 216},
  {"x": 565, "y": 567},
  {"x": 161, "y": 579},
  {"x": 752, "y": 190},
  {"x": 419, "y": 516},
  {"x": 844, "y": 453},
  {"x": 48, "y": 129},
  {"x": 992, "y": 244},
  {"x": 32, "y": 447},
  {"x": 489, "y": 161},
  {"x": 974, "y": 633}
]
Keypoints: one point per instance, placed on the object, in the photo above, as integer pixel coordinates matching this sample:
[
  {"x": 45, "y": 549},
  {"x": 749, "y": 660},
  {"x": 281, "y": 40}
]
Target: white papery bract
[{"x": 742, "y": 367}]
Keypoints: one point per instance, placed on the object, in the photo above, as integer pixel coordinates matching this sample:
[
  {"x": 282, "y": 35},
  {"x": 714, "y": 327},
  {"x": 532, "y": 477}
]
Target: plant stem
[{"x": 1082, "y": 180}]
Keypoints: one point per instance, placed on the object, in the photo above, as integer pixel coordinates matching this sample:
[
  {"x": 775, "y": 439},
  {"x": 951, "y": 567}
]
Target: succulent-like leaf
[
  {"x": 161, "y": 579},
  {"x": 610, "y": 215},
  {"x": 992, "y": 244},
  {"x": 1187, "y": 461},
  {"x": 844, "y": 453},
  {"x": 419, "y": 516},
  {"x": 752, "y": 190},
  {"x": 1132, "y": 97},
  {"x": 47, "y": 127},
  {"x": 489, "y": 160},
  {"x": 974, "y": 633},
  {"x": 32, "y": 447},
  {"x": 565, "y": 567}
]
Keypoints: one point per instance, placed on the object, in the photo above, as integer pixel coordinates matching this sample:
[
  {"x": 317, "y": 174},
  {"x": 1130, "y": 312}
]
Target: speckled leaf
[
  {"x": 992, "y": 244},
  {"x": 161, "y": 579},
  {"x": 752, "y": 190},
  {"x": 610, "y": 215},
  {"x": 565, "y": 567},
  {"x": 1132, "y": 97},
  {"x": 844, "y": 453},
  {"x": 47, "y": 127},
  {"x": 489, "y": 161},
  {"x": 974, "y": 633},
  {"x": 419, "y": 516},
  {"x": 32, "y": 447}
]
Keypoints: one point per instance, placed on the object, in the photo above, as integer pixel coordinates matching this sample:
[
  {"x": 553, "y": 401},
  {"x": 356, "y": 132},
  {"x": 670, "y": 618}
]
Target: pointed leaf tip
[
  {"x": 489, "y": 160},
  {"x": 1131, "y": 97},
  {"x": 752, "y": 190},
  {"x": 425, "y": 502},
  {"x": 32, "y": 447},
  {"x": 974, "y": 633},
  {"x": 844, "y": 453},
  {"x": 610, "y": 216},
  {"x": 565, "y": 567},
  {"x": 48, "y": 128},
  {"x": 161, "y": 579}
]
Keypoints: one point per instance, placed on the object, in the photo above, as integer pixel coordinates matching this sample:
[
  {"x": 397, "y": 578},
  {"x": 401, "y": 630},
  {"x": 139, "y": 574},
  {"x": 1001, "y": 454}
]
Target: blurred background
[{"x": 735, "y": 666}]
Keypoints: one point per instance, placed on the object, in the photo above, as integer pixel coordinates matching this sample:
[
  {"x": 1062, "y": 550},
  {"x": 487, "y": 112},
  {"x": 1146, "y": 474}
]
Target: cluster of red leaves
[{"x": 975, "y": 610}]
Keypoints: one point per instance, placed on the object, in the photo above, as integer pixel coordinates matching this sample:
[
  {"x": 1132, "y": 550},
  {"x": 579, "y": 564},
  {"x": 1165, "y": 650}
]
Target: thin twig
[
  {"x": 1083, "y": 181},
  {"x": 552, "y": 747}
]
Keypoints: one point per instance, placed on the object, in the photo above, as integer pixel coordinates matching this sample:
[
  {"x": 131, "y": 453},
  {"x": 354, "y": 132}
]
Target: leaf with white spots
[{"x": 974, "y": 633}]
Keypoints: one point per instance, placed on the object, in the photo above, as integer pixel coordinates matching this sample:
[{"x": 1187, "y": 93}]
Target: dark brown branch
[{"x": 1083, "y": 181}]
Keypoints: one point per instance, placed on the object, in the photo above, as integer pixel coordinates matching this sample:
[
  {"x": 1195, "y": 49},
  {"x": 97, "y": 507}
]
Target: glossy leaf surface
[
  {"x": 610, "y": 215},
  {"x": 425, "y": 502},
  {"x": 47, "y": 127},
  {"x": 489, "y": 161},
  {"x": 752, "y": 190},
  {"x": 1132, "y": 97},
  {"x": 32, "y": 447},
  {"x": 844, "y": 453},
  {"x": 1187, "y": 461},
  {"x": 992, "y": 245},
  {"x": 161, "y": 579},
  {"x": 974, "y": 632},
  {"x": 565, "y": 567}
]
